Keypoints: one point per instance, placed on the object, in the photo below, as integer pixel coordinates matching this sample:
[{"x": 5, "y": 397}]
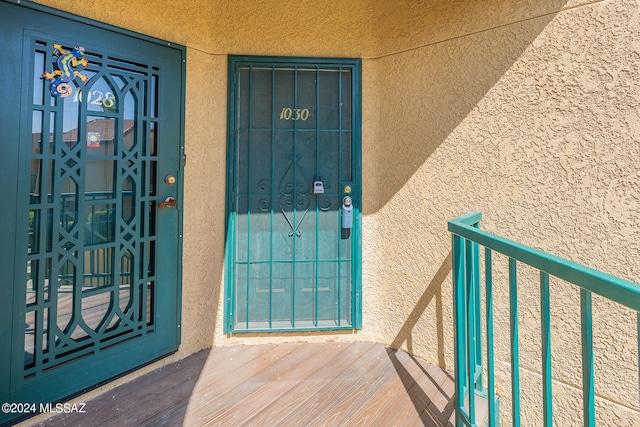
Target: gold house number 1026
[{"x": 294, "y": 114}]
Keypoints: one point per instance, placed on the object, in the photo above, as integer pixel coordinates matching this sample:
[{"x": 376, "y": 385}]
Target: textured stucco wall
[
  {"x": 535, "y": 123},
  {"x": 282, "y": 27},
  {"x": 527, "y": 111}
]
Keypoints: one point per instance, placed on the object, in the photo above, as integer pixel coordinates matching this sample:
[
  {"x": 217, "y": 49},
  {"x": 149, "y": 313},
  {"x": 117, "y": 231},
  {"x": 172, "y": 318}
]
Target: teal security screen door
[
  {"x": 293, "y": 259},
  {"x": 92, "y": 125}
]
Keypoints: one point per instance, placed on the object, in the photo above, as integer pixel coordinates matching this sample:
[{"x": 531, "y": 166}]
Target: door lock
[
  {"x": 318, "y": 186},
  {"x": 347, "y": 212}
]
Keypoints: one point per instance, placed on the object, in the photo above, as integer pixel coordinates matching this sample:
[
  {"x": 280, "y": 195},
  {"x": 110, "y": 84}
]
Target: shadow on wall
[
  {"x": 429, "y": 388},
  {"x": 423, "y": 93},
  {"x": 437, "y": 400},
  {"x": 434, "y": 290}
]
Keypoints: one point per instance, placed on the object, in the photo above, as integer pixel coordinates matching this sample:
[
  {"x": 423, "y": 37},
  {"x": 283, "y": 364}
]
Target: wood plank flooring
[{"x": 291, "y": 384}]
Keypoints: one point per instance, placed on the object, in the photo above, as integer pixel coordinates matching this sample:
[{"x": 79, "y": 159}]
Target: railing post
[
  {"x": 471, "y": 327},
  {"x": 588, "y": 400},
  {"x": 515, "y": 361},
  {"x": 473, "y": 271},
  {"x": 547, "y": 395},
  {"x": 493, "y": 413},
  {"x": 459, "y": 318}
]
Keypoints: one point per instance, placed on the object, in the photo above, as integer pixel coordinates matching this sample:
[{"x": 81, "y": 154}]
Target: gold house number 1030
[{"x": 294, "y": 114}]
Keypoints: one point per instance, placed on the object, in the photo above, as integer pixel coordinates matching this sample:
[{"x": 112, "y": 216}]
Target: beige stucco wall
[
  {"x": 527, "y": 111},
  {"x": 535, "y": 124}
]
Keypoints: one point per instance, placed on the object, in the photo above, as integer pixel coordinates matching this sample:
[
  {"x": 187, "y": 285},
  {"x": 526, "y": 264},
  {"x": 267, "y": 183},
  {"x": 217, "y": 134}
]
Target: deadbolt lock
[{"x": 170, "y": 180}]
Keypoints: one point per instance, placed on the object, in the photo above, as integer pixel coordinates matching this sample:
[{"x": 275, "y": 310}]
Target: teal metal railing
[{"x": 471, "y": 389}]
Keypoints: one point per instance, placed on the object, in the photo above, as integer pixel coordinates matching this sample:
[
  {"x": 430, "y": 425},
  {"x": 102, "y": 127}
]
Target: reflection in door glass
[
  {"x": 153, "y": 139},
  {"x": 100, "y": 225},
  {"x": 101, "y": 136},
  {"x": 128, "y": 200},
  {"x": 100, "y": 96},
  {"x": 36, "y": 140},
  {"x": 29, "y": 339},
  {"x": 38, "y": 83},
  {"x": 95, "y": 307},
  {"x": 129, "y": 128},
  {"x": 98, "y": 267},
  {"x": 99, "y": 179},
  {"x": 69, "y": 204},
  {"x": 91, "y": 242}
]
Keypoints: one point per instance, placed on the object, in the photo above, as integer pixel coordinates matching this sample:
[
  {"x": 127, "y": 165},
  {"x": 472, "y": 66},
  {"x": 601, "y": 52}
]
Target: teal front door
[
  {"x": 91, "y": 125},
  {"x": 294, "y": 198}
]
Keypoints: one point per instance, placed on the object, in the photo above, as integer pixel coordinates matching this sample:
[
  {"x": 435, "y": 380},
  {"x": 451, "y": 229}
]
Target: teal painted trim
[
  {"x": 299, "y": 261},
  {"x": 12, "y": 297},
  {"x": 619, "y": 290},
  {"x": 273, "y": 179},
  {"x": 295, "y": 211},
  {"x": 356, "y": 127},
  {"x": 229, "y": 238},
  {"x": 491, "y": 392},
  {"x": 471, "y": 329},
  {"x": 317, "y": 210},
  {"x": 248, "y": 282},
  {"x": 353, "y": 64},
  {"x": 298, "y": 329},
  {"x": 474, "y": 277},
  {"x": 458, "y": 275},
  {"x": 515, "y": 364},
  {"x": 296, "y": 60},
  {"x": 181, "y": 166},
  {"x": 547, "y": 395},
  {"x": 339, "y": 180},
  {"x": 588, "y": 400}
]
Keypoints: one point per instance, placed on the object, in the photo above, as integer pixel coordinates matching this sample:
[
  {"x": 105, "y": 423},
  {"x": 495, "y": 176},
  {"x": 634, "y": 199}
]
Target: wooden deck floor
[{"x": 292, "y": 384}]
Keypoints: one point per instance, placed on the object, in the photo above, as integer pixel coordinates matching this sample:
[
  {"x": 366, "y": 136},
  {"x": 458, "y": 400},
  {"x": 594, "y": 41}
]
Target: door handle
[{"x": 169, "y": 202}]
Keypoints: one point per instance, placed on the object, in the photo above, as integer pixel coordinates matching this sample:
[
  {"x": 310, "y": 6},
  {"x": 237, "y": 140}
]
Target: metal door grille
[
  {"x": 292, "y": 263},
  {"x": 91, "y": 249}
]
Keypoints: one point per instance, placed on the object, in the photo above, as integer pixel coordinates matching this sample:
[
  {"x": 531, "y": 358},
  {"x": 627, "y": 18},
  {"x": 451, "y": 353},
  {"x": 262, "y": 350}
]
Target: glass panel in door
[{"x": 90, "y": 261}]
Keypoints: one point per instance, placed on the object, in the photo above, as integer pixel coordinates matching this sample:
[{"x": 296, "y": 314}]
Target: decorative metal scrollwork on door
[
  {"x": 292, "y": 140},
  {"x": 294, "y": 189}
]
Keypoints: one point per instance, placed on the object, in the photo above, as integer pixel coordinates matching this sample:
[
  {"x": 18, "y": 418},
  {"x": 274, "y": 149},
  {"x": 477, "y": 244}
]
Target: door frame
[
  {"x": 109, "y": 370},
  {"x": 355, "y": 64}
]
